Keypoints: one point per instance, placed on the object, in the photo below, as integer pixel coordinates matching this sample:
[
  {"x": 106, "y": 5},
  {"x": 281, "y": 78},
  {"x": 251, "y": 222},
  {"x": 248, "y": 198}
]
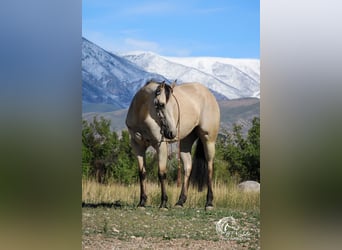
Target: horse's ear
[
  {"x": 173, "y": 84},
  {"x": 162, "y": 85}
]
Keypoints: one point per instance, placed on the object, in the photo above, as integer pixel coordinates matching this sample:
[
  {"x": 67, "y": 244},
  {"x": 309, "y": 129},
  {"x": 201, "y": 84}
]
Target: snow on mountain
[
  {"x": 243, "y": 74},
  {"x": 233, "y": 78},
  {"x": 109, "y": 81},
  {"x": 108, "y": 78}
]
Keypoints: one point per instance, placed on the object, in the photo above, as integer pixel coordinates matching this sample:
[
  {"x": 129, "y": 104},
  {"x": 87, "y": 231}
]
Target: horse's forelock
[{"x": 168, "y": 90}]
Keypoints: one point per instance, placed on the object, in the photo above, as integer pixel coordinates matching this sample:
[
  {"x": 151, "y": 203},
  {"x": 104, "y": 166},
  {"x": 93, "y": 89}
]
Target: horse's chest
[{"x": 148, "y": 132}]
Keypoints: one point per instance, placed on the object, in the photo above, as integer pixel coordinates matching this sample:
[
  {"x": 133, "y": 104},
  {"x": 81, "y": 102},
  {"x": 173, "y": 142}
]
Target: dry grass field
[{"x": 128, "y": 195}]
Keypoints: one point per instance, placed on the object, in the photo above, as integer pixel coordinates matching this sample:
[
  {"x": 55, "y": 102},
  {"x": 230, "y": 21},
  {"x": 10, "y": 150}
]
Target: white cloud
[
  {"x": 126, "y": 44},
  {"x": 121, "y": 44},
  {"x": 135, "y": 44}
]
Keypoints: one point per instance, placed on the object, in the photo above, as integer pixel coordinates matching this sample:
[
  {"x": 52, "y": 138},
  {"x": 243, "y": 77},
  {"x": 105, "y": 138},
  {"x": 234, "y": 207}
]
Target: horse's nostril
[{"x": 169, "y": 135}]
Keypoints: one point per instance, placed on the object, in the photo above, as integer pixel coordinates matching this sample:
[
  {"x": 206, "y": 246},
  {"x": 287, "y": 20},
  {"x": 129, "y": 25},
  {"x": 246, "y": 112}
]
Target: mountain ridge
[
  {"x": 234, "y": 78},
  {"x": 109, "y": 80}
]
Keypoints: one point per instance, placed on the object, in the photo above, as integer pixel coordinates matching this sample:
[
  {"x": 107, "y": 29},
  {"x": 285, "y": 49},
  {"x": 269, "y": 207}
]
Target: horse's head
[{"x": 166, "y": 110}]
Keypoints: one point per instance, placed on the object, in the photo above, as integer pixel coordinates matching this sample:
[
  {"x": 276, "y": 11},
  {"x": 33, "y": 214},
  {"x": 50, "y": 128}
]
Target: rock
[{"x": 249, "y": 186}]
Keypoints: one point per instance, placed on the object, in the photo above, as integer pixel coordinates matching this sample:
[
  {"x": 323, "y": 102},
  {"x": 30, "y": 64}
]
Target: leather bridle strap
[{"x": 179, "y": 149}]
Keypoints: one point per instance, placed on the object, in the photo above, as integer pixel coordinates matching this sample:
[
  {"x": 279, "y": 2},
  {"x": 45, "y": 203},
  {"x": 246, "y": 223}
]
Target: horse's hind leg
[{"x": 209, "y": 149}]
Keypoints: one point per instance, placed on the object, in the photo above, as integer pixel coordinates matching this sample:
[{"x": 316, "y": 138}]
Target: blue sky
[{"x": 223, "y": 28}]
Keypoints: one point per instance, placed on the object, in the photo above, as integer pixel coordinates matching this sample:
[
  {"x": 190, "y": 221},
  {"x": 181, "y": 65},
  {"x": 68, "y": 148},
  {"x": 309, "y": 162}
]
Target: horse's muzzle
[{"x": 169, "y": 134}]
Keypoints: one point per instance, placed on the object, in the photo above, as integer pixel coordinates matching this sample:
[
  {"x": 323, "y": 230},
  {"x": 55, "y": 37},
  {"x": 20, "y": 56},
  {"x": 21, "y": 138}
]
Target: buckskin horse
[{"x": 161, "y": 113}]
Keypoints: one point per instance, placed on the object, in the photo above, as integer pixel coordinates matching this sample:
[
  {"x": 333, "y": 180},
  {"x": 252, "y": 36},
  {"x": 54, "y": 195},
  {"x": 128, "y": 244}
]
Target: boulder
[{"x": 249, "y": 186}]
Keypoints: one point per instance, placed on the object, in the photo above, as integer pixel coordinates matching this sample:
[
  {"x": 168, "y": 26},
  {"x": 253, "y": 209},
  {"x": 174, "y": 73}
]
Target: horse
[{"x": 160, "y": 114}]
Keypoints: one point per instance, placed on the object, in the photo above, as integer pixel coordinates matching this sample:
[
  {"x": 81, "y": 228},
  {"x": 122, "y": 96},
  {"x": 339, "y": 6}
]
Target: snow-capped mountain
[
  {"x": 110, "y": 79},
  {"x": 233, "y": 78}
]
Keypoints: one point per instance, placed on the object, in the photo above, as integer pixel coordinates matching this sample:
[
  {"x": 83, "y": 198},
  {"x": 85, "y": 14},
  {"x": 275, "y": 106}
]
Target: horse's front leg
[
  {"x": 162, "y": 161},
  {"x": 139, "y": 151},
  {"x": 185, "y": 147},
  {"x": 142, "y": 177},
  {"x": 186, "y": 158}
]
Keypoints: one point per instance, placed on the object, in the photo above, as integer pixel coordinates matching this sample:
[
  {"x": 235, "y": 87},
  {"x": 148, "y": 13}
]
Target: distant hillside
[
  {"x": 240, "y": 111},
  {"x": 117, "y": 118}
]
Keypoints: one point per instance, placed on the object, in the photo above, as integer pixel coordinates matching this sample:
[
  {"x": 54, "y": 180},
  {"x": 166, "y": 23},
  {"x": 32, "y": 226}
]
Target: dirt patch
[{"x": 101, "y": 242}]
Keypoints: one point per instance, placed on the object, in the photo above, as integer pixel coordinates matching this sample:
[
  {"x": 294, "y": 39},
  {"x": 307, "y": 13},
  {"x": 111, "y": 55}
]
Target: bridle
[
  {"x": 161, "y": 116},
  {"x": 164, "y": 126}
]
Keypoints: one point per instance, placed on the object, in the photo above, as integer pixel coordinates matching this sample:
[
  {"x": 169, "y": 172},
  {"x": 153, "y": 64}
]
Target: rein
[{"x": 179, "y": 150}]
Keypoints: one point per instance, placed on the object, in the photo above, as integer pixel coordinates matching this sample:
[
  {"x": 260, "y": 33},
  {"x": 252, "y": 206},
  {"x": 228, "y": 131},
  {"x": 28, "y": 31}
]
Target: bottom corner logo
[{"x": 230, "y": 228}]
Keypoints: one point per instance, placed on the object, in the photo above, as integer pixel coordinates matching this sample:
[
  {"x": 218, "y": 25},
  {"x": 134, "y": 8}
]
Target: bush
[
  {"x": 104, "y": 156},
  {"x": 243, "y": 154}
]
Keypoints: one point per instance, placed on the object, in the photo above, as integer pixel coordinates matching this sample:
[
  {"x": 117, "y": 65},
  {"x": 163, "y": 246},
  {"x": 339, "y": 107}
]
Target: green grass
[{"x": 186, "y": 223}]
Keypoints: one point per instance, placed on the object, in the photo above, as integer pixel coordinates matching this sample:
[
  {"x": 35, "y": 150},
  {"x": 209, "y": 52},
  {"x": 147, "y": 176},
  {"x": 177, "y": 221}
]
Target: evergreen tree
[
  {"x": 104, "y": 156},
  {"x": 125, "y": 170},
  {"x": 252, "y": 153},
  {"x": 243, "y": 154}
]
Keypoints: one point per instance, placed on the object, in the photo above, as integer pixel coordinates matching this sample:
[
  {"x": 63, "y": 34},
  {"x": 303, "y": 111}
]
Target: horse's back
[
  {"x": 198, "y": 92},
  {"x": 203, "y": 104}
]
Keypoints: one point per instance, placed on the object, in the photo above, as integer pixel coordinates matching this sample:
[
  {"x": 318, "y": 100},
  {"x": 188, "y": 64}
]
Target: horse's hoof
[
  {"x": 141, "y": 208},
  {"x": 178, "y": 206},
  {"x": 163, "y": 209},
  {"x": 209, "y": 208}
]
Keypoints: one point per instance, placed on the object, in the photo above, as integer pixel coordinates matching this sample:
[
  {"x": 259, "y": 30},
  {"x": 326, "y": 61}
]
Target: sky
[{"x": 217, "y": 28}]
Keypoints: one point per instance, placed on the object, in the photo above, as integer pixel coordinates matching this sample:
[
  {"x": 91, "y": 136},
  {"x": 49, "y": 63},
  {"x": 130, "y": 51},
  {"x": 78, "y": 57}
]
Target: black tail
[{"x": 199, "y": 172}]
